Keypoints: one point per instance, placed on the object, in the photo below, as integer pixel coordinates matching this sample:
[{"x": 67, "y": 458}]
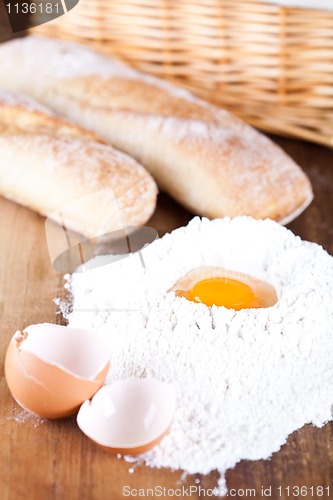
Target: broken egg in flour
[
  {"x": 220, "y": 287},
  {"x": 129, "y": 416},
  {"x": 51, "y": 369}
]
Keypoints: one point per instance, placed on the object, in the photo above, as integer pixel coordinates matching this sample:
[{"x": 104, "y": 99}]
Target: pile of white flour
[{"x": 245, "y": 380}]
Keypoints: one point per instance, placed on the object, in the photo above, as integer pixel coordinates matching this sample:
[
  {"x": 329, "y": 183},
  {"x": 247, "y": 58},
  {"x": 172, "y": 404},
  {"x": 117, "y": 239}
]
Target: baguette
[
  {"x": 206, "y": 158},
  {"x": 62, "y": 171}
]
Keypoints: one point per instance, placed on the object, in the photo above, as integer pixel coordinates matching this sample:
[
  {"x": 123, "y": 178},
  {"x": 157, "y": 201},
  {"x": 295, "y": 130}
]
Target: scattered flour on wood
[
  {"x": 245, "y": 380},
  {"x": 19, "y": 415}
]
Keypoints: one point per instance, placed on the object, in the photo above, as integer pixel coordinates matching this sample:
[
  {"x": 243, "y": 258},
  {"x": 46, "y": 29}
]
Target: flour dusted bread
[
  {"x": 209, "y": 160},
  {"x": 63, "y": 171}
]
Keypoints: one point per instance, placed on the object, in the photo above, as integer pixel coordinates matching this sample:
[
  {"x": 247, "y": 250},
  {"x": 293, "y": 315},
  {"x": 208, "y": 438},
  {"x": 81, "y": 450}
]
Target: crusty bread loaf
[
  {"x": 206, "y": 158},
  {"x": 63, "y": 171}
]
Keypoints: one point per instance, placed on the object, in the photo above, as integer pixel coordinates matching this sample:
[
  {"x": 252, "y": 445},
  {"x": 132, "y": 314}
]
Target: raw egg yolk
[{"x": 218, "y": 291}]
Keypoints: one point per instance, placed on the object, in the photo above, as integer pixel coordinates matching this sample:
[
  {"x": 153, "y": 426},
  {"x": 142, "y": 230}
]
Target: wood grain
[{"x": 54, "y": 460}]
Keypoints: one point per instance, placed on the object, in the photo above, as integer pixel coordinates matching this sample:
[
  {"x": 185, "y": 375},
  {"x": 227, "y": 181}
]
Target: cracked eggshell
[
  {"x": 51, "y": 369},
  {"x": 129, "y": 416}
]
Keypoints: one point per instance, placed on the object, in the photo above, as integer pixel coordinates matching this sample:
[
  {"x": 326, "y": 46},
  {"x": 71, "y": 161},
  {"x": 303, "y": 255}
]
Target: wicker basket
[{"x": 272, "y": 66}]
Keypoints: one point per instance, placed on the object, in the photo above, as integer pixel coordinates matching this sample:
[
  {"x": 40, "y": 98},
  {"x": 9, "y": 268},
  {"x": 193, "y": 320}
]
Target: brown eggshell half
[
  {"x": 129, "y": 416},
  {"x": 44, "y": 387}
]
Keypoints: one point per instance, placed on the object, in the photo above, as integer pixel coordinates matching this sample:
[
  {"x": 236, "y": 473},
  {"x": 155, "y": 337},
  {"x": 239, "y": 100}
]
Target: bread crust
[
  {"x": 63, "y": 171},
  {"x": 206, "y": 158}
]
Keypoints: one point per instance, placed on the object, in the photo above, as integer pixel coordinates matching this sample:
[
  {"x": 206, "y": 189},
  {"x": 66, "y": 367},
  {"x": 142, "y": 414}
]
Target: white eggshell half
[
  {"x": 129, "y": 416},
  {"x": 51, "y": 369}
]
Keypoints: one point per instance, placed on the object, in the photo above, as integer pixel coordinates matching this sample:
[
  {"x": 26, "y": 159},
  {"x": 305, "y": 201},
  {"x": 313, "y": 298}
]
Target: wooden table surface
[{"x": 52, "y": 459}]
